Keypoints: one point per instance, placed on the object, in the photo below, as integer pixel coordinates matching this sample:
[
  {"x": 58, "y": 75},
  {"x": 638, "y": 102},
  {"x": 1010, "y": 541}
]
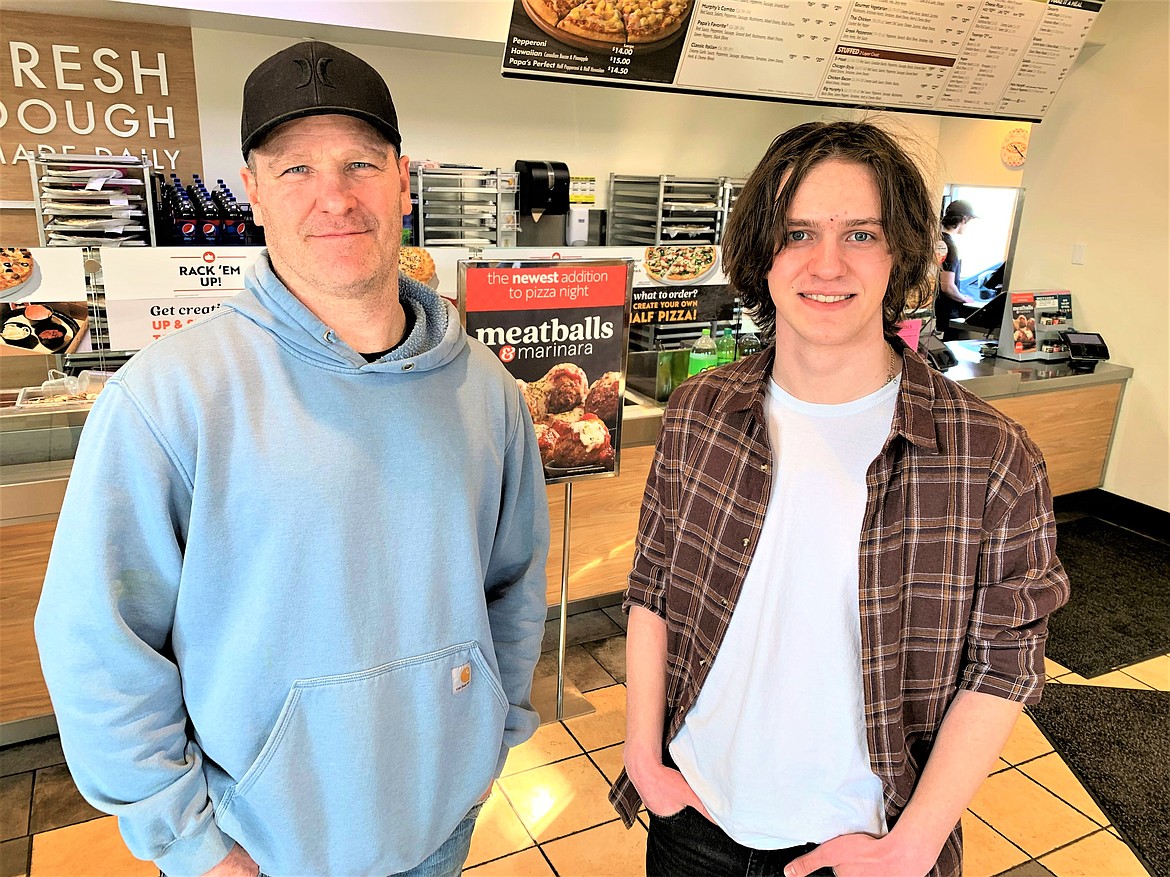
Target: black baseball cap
[
  {"x": 960, "y": 209},
  {"x": 314, "y": 79}
]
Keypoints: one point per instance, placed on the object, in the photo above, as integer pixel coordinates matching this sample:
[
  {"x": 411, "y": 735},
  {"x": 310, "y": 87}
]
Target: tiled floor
[{"x": 549, "y": 813}]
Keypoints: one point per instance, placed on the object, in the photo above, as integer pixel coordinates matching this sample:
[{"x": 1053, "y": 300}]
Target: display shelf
[
  {"x": 664, "y": 210},
  {"x": 730, "y": 188},
  {"x": 92, "y": 200},
  {"x": 668, "y": 210},
  {"x": 465, "y": 207}
]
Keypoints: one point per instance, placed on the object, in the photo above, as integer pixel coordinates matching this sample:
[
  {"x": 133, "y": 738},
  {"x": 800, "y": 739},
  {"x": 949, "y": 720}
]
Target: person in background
[
  {"x": 949, "y": 300},
  {"x": 292, "y": 614},
  {"x": 845, "y": 562}
]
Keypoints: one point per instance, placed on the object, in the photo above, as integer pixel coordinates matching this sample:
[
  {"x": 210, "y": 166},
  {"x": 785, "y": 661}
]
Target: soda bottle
[
  {"x": 748, "y": 344},
  {"x": 186, "y": 223},
  {"x": 725, "y": 349},
  {"x": 703, "y": 354},
  {"x": 232, "y": 230},
  {"x": 253, "y": 233},
  {"x": 209, "y": 220}
]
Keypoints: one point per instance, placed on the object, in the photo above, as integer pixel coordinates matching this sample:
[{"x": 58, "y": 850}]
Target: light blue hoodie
[{"x": 296, "y": 599}]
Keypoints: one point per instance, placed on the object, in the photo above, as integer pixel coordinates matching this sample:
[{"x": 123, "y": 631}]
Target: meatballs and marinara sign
[{"x": 561, "y": 328}]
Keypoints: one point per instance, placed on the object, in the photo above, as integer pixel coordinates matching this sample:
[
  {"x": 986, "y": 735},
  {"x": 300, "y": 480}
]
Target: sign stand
[
  {"x": 565, "y": 702},
  {"x": 1031, "y": 325},
  {"x": 561, "y": 329}
]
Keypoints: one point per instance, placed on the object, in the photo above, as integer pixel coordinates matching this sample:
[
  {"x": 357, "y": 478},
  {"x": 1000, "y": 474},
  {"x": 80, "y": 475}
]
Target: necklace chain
[{"x": 893, "y": 359}]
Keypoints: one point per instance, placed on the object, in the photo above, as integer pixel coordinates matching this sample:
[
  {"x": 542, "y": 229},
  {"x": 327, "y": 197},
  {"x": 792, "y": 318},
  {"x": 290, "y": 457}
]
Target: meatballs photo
[
  {"x": 564, "y": 387},
  {"x": 572, "y": 418},
  {"x": 604, "y": 397},
  {"x": 584, "y": 443}
]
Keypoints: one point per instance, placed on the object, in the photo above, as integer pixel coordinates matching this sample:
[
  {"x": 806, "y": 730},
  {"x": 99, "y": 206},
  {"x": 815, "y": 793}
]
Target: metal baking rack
[
  {"x": 729, "y": 189},
  {"x": 78, "y": 206},
  {"x": 465, "y": 207},
  {"x": 664, "y": 210}
]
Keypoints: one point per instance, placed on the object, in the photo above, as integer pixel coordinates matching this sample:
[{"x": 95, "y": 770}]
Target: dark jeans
[{"x": 688, "y": 845}]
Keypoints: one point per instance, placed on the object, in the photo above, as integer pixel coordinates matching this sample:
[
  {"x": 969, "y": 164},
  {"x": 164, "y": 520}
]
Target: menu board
[
  {"x": 561, "y": 328},
  {"x": 982, "y": 58}
]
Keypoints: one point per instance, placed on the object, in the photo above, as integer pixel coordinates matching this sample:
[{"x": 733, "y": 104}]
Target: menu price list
[
  {"x": 1003, "y": 58},
  {"x": 546, "y": 51},
  {"x": 1061, "y": 32},
  {"x": 777, "y": 48}
]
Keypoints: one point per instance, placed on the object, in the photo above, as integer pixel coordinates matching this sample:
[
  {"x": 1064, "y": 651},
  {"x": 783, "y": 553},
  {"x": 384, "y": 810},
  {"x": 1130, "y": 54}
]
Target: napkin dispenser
[{"x": 543, "y": 193}]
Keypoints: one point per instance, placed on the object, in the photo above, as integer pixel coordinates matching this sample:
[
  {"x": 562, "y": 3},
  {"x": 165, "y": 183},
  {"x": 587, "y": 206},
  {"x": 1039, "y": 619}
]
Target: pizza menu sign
[
  {"x": 980, "y": 58},
  {"x": 42, "y": 300},
  {"x": 561, "y": 328}
]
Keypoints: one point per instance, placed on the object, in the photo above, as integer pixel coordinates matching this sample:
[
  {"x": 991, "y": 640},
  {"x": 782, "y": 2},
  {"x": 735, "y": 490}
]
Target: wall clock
[{"x": 1013, "y": 152}]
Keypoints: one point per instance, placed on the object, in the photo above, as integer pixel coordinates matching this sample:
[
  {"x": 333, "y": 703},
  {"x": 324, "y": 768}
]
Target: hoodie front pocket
[{"x": 370, "y": 772}]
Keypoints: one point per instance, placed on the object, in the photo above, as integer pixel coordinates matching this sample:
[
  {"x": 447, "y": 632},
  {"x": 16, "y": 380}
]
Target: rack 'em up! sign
[{"x": 561, "y": 328}]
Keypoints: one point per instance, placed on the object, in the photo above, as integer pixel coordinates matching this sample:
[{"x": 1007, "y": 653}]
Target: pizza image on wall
[
  {"x": 598, "y": 24},
  {"x": 17, "y": 268},
  {"x": 679, "y": 264}
]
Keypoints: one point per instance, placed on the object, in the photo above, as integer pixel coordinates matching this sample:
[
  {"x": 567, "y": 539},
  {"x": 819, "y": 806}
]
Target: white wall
[
  {"x": 458, "y": 108},
  {"x": 1097, "y": 174},
  {"x": 459, "y": 19},
  {"x": 970, "y": 152}
]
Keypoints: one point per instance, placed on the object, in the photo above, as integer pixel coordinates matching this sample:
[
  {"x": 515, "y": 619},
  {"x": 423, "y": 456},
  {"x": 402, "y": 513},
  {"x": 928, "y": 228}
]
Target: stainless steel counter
[
  {"x": 31, "y": 486},
  {"x": 998, "y": 378}
]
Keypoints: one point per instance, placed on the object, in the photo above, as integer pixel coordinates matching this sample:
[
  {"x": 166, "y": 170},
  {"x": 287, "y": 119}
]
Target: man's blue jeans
[
  {"x": 447, "y": 860},
  {"x": 687, "y": 844}
]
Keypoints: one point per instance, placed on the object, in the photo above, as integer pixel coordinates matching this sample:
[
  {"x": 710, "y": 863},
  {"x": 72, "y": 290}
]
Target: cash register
[{"x": 1085, "y": 350}]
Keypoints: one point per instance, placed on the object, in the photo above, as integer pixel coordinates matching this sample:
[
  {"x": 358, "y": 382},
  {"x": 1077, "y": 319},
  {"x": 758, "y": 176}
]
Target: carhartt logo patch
[{"x": 460, "y": 678}]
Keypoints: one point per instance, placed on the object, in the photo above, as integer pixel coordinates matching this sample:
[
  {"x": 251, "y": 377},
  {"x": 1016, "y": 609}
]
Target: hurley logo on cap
[{"x": 321, "y": 70}]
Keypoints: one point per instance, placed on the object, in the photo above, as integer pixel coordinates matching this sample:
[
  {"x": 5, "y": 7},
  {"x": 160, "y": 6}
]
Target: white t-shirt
[{"x": 775, "y": 745}]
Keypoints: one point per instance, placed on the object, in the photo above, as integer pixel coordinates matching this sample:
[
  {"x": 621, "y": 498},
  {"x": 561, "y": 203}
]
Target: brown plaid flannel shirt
[{"x": 958, "y": 566}]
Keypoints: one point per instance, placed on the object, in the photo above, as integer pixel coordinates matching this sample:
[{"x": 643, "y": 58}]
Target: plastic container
[
  {"x": 725, "y": 348},
  {"x": 748, "y": 344},
  {"x": 91, "y": 381},
  {"x": 60, "y": 383},
  {"x": 88, "y": 381},
  {"x": 703, "y": 354},
  {"x": 34, "y": 398}
]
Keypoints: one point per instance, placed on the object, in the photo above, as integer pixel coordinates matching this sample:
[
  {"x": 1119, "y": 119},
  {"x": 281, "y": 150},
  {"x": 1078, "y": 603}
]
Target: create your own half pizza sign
[
  {"x": 561, "y": 328},
  {"x": 681, "y": 284}
]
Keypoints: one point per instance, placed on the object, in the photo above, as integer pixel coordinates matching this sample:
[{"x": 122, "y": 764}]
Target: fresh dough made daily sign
[
  {"x": 561, "y": 328},
  {"x": 87, "y": 86}
]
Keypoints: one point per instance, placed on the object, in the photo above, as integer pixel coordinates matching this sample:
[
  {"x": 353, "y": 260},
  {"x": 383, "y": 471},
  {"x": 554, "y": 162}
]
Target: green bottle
[
  {"x": 703, "y": 354},
  {"x": 725, "y": 349}
]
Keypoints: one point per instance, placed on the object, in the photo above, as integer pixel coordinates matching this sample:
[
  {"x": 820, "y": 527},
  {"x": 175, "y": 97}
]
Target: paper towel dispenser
[{"x": 544, "y": 188}]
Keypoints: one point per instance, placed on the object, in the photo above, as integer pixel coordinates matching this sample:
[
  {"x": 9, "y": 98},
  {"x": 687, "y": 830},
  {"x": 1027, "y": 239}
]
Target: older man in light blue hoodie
[{"x": 291, "y": 622}]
